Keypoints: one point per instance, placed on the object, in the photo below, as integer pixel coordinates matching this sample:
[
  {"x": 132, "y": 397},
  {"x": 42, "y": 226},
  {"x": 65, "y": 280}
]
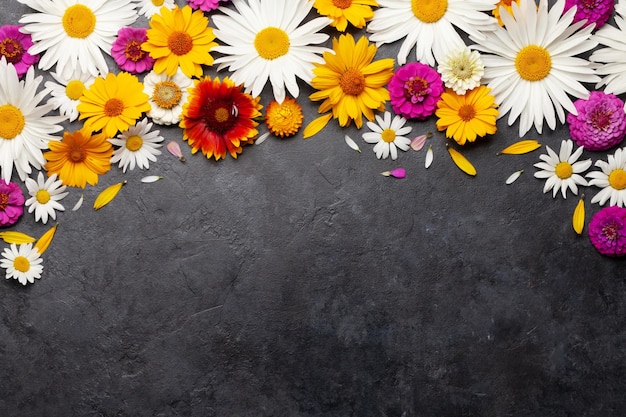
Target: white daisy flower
[
  {"x": 73, "y": 33},
  {"x": 267, "y": 40},
  {"x": 388, "y": 135},
  {"x": 45, "y": 197},
  {"x": 429, "y": 26},
  {"x": 167, "y": 96},
  {"x": 22, "y": 263},
  {"x": 461, "y": 70},
  {"x": 562, "y": 171},
  {"x": 137, "y": 145},
  {"x": 611, "y": 178},
  {"x": 65, "y": 93},
  {"x": 530, "y": 65},
  {"x": 25, "y": 130},
  {"x": 149, "y": 7},
  {"x": 614, "y": 67}
]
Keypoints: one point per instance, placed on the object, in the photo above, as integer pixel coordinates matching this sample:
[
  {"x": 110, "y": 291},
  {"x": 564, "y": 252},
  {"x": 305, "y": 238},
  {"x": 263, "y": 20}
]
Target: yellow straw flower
[
  {"x": 507, "y": 6},
  {"x": 356, "y": 12},
  {"x": 351, "y": 85},
  {"x": 464, "y": 117},
  {"x": 180, "y": 38},
  {"x": 112, "y": 104},
  {"x": 284, "y": 119}
]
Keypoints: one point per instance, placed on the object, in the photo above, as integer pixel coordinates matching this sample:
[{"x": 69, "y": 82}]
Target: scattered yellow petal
[
  {"x": 18, "y": 238},
  {"x": 107, "y": 195},
  {"x": 461, "y": 162},
  {"x": 45, "y": 239},
  {"x": 521, "y": 147},
  {"x": 578, "y": 219},
  {"x": 316, "y": 125}
]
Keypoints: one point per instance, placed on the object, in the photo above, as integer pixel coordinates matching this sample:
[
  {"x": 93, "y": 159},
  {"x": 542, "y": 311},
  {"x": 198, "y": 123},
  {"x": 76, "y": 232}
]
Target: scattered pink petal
[
  {"x": 396, "y": 173},
  {"x": 419, "y": 142},
  {"x": 174, "y": 149}
]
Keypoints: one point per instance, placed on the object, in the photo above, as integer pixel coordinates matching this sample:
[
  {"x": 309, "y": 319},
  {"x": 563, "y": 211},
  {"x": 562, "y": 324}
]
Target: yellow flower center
[
  {"x": 12, "y": 50},
  {"x": 74, "y": 89},
  {"x": 221, "y": 114},
  {"x": 158, "y": 2},
  {"x": 113, "y": 107},
  {"x": 180, "y": 43},
  {"x": 352, "y": 82},
  {"x": 166, "y": 94},
  {"x": 133, "y": 51},
  {"x": 533, "y": 63},
  {"x": 134, "y": 143},
  {"x": 11, "y": 121},
  {"x": 467, "y": 112},
  {"x": 4, "y": 201},
  {"x": 342, "y": 4},
  {"x": 42, "y": 196},
  {"x": 271, "y": 43},
  {"x": 21, "y": 263},
  {"x": 415, "y": 88},
  {"x": 617, "y": 179},
  {"x": 388, "y": 135},
  {"x": 284, "y": 119},
  {"x": 429, "y": 11},
  {"x": 79, "y": 21},
  {"x": 563, "y": 170}
]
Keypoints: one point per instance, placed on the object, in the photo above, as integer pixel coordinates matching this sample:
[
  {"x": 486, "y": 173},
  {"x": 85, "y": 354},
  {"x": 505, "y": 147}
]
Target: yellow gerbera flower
[
  {"x": 464, "y": 117},
  {"x": 180, "y": 38},
  {"x": 351, "y": 85},
  {"x": 79, "y": 158},
  {"x": 113, "y": 104},
  {"x": 357, "y": 12}
]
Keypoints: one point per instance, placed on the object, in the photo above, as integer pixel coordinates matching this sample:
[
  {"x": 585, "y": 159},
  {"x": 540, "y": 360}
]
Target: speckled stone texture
[{"x": 297, "y": 281}]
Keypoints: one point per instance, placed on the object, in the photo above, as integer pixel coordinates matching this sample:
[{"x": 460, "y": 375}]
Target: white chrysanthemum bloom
[
  {"x": 166, "y": 96},
  {"x": 387, "y": 134},
  {"x": 149, "y": 7},
  {"x": 429, "y": 26},
  {"x": 531, "y": 64},
  {"x": 45, "y": 196},
  {"x": 65, "y": 93},
  {"x": 562, "y": 171},
  {"x": 25, "y": 130},
  {"x": 612, "y": 55},
  {"x": 73, "y": 33},
  {"x": 611, "y": 178},
  {"x": 22, "y": 263},
  {"x": 137, "y": 146},
  {"x": 461, "y": 70},
  {"x": 266, "y": 40}
]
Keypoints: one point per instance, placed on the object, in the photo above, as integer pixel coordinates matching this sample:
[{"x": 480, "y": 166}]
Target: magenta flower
[
  {"x": 127, "y": 52},
  {"x": 204, "y": 5},
  {"x": 601, "y": 121},
  {"x": 11, "y": 203},
  {"x": 595, "y": 11},
  {"x": 607, "y": 231},
  {"x": 14, "y": 47},
  {"x": 415, "y": 89}
]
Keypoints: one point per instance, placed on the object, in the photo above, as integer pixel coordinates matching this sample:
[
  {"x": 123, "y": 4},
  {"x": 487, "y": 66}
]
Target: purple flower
[
  {"x": 415, "y": 89},
  {"x": 601, "y": 121},
  {"x": 204, "y": 5},
  {"x": 11, "y": 203},
  {"x": 127, "y": 52},
  {"x": 595, "y": 11},
  {"x": 607, "y": 231},
  {"x": 14, "y": 47}
]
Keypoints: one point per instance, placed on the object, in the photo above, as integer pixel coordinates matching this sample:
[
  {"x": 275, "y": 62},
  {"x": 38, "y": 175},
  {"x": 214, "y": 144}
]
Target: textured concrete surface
[{"x": 298, "y": 281}]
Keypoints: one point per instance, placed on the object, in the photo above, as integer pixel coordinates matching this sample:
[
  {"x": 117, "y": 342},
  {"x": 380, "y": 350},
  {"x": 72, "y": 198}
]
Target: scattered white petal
[
  {"x": 429, "y": 157},
  {"x": 262, "y": 138},
  {"x": 78, "y": 203},
  {"x": 514, "y": 176},
  {"x": 151, "y": 178},
  {"x": 351, "y": 143}
]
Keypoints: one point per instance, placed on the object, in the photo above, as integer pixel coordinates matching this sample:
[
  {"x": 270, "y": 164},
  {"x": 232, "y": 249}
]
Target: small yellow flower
[
  {"x": 342, "y": 12},
  {"x": 284, "y": 119}
]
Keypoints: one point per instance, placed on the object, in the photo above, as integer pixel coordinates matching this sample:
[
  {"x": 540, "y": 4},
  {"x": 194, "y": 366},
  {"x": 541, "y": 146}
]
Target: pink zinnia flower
[
  {"x": 14, "y": 47},
  {"x": 204, "y": 5},
  {"x": 595, "y": 11},
  {"x": 607, "y": 231},
  {"x": 601, "y": 121},
  {"x": 127, "y": 52},
  {"x": 11, "y": 203},
  {"x": 415, "y": 89}
]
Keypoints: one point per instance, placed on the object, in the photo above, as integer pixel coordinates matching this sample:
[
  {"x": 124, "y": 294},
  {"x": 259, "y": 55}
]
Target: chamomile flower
[
  {"x": 137, "y": 146},
  {"x": 461, "y": 70},
  {"x": 149, "y": 7},
  {"x": 22, "y": 263},
  {"x": 45, "y": 196},
  {"x": 429, "y": 26},
  {"x": 562, "y": 171},
  {"x": 73, "y": 33},
  {"x": 610, "y": 56},
  {"x": 167, "y": 96},
  {"x": 388, "y": 135},
  {"x": 66, "y": 92},
  {"x": 531, "y": 64},
  {"x": 268, "y": 41},
  {"x": 611, "y": 178}
]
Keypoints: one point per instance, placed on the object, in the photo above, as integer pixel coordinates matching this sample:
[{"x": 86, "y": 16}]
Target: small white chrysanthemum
[
  {"x": 611, "y": 178},
  {"x": 22, "y": 263},
  {"x": 137, "y": 145},
  {"x": 149, "y": 7},
  {"x": 388, "y": 135},
  {"x": 562, "y": 171},
  {"x": 45, "y": 197},
  {"x": 461, "y": 70},
  {"x": 166, "y": 96},
  {"x": 612, "y": 56},
  {"x": 65, "y": 93}
]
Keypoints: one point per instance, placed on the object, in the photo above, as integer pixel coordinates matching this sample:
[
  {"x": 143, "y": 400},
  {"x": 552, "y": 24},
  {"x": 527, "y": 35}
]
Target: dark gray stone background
[{"x": 298, "y": 281}]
